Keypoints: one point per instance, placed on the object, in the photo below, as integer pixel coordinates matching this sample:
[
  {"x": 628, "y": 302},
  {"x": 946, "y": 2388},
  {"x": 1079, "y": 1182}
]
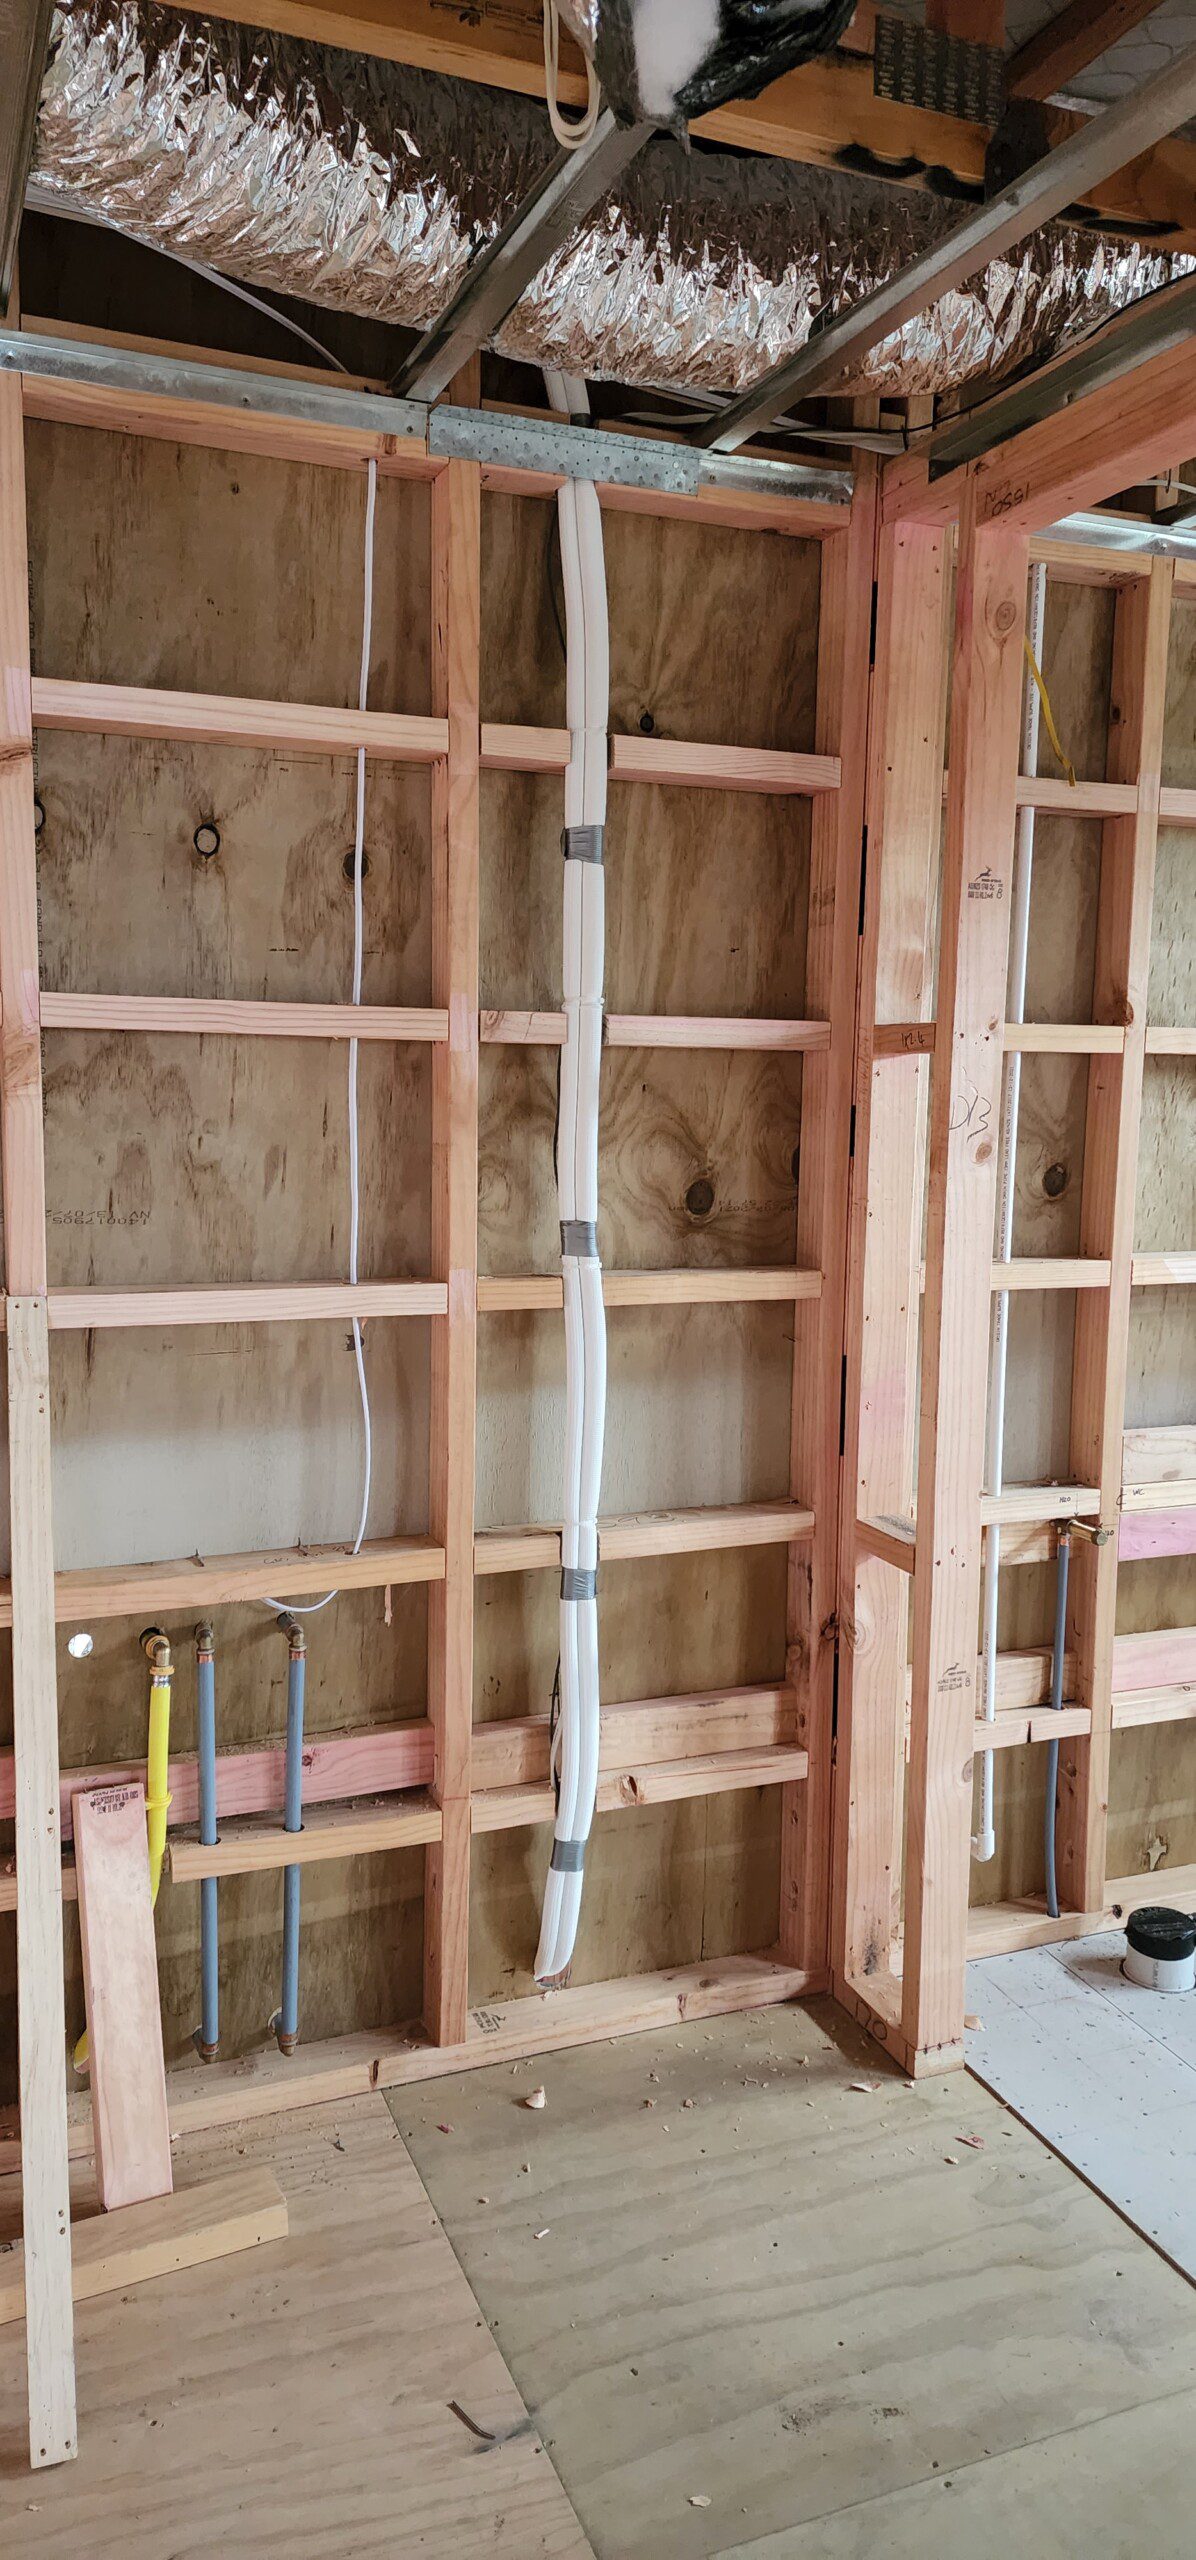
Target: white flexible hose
[
  {"x": 570, "y": 132},
  {"x": 587, "y": 687},
  {"x": 985, "y": 1840},
  {"x": 312, "y": 1607}
]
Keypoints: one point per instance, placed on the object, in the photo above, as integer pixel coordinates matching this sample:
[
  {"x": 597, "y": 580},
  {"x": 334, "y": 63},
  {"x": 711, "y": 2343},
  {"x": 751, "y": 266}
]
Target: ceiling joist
[
  {"x": 1039, "y": 195},
  {"x": 1082, "y": 454},
  {"x": 1079, "y": 35},
  {"x": 826, "y": 113},
  {"x": 24, "y": 43}
]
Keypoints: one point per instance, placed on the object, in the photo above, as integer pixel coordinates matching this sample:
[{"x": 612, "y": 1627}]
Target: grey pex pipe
[
  {"x": 288, "y": 2015},
  {"x": 1062, "y": 1573},
  {"x": 207, "y": 2038}
]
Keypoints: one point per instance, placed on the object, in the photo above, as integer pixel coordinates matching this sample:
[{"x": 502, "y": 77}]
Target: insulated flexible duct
[
  {"x": 370, "y": 187},
  {"x": 587, "y": 705}
]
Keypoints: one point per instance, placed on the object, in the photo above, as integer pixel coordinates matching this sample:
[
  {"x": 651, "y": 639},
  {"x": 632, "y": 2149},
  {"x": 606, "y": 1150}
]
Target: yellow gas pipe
[{"x": 157, "y": 1752}]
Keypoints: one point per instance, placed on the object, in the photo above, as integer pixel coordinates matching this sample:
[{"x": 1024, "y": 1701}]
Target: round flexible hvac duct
[{"x": 369, "y": 187}]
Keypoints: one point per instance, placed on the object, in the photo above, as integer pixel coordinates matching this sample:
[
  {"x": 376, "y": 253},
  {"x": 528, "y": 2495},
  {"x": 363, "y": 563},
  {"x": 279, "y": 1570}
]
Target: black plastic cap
[{"x": 1167, "y": 1937}]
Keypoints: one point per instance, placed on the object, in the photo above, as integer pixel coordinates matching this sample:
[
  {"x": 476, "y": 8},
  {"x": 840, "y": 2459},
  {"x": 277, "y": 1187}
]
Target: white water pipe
[
  {"x": 985, "y": 1839},
  {"x": 587, "y": 691}
]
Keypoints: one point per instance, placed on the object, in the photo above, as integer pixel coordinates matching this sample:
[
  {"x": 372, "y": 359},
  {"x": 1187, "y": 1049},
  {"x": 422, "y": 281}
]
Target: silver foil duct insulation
[{"x": 368, "y": 187}]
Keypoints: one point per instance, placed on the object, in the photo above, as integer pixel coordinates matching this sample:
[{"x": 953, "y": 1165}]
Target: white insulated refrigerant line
[
  {"x": 984, "y": 1841},
  {"x": 587, "y": 697}
]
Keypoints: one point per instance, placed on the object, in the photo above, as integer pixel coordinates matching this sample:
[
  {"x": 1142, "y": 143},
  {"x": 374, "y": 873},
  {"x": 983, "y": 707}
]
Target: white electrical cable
[
  {"x": 984, "y": 1842},
  {"x": 312, "y": 1607},
  {"x": 570, "y": 133},
  {"x": 41, "y": 200},
  {"x": 587, "y": 687}
]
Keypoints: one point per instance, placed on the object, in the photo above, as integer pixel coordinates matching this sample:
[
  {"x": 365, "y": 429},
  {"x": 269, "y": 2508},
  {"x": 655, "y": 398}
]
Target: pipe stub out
[{"x": 1161, "y": 1949}]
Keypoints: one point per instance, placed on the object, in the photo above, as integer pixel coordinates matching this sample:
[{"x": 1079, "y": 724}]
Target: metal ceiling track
[
  {"x": 24, "y": 45},
  {"x": 1159, "y": 321},
  {"x": 1051, "y": 187},
  {"x": 480, "y": 435},
  {"x": 549, "y": 215}
]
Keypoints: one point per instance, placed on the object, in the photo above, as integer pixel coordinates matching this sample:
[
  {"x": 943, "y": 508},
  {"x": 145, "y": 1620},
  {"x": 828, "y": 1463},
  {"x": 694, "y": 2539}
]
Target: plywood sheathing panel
[
  {"x": 362, "y": 1922},
  {"x": 706, "y": 898},
  {"x": 712, "y": 636},
  {"x": 223, "y": 1438},
  {"x": 1076, "y": 660},
  {"x": 200, "y": 1161},
  {"x": 697, "y": 1159},
  {"x": 669, "y": 1626},
  {"x": 1179, "y": 724},
  {"x": 667, "y": 1884},
  {"x": 1152, "y": 1802},
  {"x": 129, "y": 906},
  {"x": 362, "y": 1956},
  {"x": 182, "y": 566},
  {"x": 695, "y": 1411},
  {"x": 713, "y": 632},
  {"x": 1151, "y": 1795},
  {"x": 1173, "y": 955},
  {"x": 186, "y": 1160}
]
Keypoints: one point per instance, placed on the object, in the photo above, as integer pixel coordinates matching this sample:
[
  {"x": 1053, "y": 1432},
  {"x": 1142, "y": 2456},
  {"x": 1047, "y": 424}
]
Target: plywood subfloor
[
  {"x": 741, "y": 2262},
  {"x": 299, "y": 2400},
  {"x": 1103, "y": 2070},
  {"x": 720, "y": 2270}
]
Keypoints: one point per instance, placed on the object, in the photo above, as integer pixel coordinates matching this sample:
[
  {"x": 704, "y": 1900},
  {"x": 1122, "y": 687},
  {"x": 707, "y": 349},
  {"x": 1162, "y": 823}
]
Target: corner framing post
[
  {"x": 1111, "y": 1132},
  {"x": 456, "y": 583},
  {"x": 990, "y": 621},
  {"x": 905, "y": 790},
  {"x": 824, "y": 1174},
  {"x": 41, "y": 2020}
]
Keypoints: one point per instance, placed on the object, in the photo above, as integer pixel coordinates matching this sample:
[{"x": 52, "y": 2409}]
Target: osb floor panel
[
  {"x": 1102, "y": 2069},
  {"x": 296, "y": 2400},
  {"x": 758, "y": 2309}
]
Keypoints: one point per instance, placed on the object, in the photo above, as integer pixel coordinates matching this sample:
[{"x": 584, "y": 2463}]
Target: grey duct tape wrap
[
  {"x": 568, "y": 1857},
  {"x": 579, "y": 1239},
  {"x": 582, "y": 844},
  {"x": 579, "y": 1582}
]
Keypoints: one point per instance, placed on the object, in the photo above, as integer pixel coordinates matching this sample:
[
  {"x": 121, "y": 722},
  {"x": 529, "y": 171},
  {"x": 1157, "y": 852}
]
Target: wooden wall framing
[
  {"x": 859, "y": 1838},
  {"x": 909, "y": 1676},
  {"x": 446, "y": 1780}
]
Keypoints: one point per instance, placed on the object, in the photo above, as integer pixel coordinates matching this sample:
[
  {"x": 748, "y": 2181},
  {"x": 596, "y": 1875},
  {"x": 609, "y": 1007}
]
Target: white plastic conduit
[
  {"x": 984, "y": 1842},
  {"x": 587, "y": 695}
]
